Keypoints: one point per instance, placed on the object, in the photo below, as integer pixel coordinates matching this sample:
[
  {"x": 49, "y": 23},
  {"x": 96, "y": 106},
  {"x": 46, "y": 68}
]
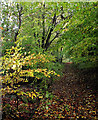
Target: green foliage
[
  {"x": 43, "y": 23},
  {"x": 80, "y": 38},
  {"x": 9, "y": 13},
  {"x": 6, "y": 45},
  {"x": 30, "y": 58}
]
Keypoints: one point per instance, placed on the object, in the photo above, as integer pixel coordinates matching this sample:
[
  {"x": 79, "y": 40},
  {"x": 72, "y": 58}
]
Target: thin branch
[
  {"x": 69, "y": 16},
  {"x": 54, "y": 38}
]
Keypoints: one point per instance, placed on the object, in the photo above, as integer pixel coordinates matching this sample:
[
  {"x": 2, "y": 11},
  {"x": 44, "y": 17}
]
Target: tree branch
[
  {"x": 19, "y": 11},
  {"x": 54, "y": 38},
  {"x": 69, "y": 16},
  {"x": 43, "y": 18},
  {"x": 51, "y": 29}
]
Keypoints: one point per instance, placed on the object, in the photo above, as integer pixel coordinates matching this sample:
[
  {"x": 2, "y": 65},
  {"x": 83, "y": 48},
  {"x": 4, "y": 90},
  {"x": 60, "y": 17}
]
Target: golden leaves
[{"x": 34, "y": 94}]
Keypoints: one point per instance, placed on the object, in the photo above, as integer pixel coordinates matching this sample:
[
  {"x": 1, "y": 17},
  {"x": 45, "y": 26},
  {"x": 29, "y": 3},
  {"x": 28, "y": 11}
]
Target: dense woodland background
[{"x": 43, "y": 43}]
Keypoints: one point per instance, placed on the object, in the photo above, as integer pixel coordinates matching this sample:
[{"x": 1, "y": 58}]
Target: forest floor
[
  {"x": 75, "y": 83},
  {"x": 75, "y": 97},
  {"x": 77, "y": 89}
]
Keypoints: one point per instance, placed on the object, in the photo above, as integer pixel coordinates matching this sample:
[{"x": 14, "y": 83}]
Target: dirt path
[
  {"x": 73, "y": 99},
  {"x": 72, "y": 82},
  {"x": 67, "y": 83},
  {"x": 75, "y": 92}
]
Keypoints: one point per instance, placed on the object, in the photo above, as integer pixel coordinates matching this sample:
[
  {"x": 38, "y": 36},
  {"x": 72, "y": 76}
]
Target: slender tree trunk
[
  {"x": 43, "y": 37},
  {"x": 19, "y": 11}
]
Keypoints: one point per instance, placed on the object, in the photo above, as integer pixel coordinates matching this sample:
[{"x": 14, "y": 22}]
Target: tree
[
  {"x": 11, "y": 18},
  {"x": 44, "y": 23},
  {"x": 80, "y": 38}
]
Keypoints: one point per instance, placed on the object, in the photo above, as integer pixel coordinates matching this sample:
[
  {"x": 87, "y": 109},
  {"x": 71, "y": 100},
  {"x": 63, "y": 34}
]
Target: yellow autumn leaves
[
  {"x": 13, "y": 63},
  {"x": 32, "y": 94},
  {"x": 44, "y": 72}
]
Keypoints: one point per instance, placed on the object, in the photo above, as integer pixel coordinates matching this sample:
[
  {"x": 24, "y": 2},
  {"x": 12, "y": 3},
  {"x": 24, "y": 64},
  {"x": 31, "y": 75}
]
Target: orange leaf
[{"x": 1, "y": 28}]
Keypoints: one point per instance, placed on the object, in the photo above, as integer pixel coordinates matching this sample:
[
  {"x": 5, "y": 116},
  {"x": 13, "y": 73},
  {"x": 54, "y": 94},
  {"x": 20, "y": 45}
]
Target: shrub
[
  {"x": 6, "y": 45},
  {"x": 15, "y": 76}
]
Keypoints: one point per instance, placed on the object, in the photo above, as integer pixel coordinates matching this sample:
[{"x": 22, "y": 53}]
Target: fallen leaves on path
[{"x": 72, "y": 100}]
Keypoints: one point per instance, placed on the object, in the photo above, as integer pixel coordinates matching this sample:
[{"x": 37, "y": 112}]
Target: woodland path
[
  {"x": 72, "y": 89},
  {"x": 74, "y": 80},
  {"x": 75, "y": 97}
]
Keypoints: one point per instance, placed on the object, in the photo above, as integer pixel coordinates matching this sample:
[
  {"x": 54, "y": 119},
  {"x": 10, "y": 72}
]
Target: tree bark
[
  {"x": 19, "y": 11},
  {"x": 43, "y": 37},
  {"x": 50, "y": 32}
]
